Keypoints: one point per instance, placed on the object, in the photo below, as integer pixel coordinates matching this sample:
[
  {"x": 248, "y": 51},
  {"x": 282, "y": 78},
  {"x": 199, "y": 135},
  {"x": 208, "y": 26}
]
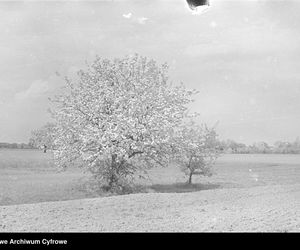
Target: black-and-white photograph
[{"x": 149, "y": 116}]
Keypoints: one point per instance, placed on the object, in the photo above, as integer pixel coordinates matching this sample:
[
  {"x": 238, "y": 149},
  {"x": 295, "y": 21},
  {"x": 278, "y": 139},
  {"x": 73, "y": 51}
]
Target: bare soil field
[{"x": 247, "y": 193}]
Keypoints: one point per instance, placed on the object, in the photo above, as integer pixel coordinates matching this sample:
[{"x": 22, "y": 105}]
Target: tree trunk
[
  {"x": 112, "y": 181},
  {"x": 191, "y": 170},
  {"x": 113, "y": 177},
  {"x": 190, "y": 178}
]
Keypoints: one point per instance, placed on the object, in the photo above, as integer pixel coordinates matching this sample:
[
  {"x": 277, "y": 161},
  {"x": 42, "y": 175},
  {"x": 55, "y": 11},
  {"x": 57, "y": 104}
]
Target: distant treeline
[
  {"x": 15, "y": 145},
  {"x": 226, "y": 146},
  {"x": 279, "y": 147}
]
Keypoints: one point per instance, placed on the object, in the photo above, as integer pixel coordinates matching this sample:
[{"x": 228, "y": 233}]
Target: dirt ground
[{"x": 263, "y": 209}]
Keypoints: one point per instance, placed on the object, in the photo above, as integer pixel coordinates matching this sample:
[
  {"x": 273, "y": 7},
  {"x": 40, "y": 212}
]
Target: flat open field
[{"x": 247, "y": 193}]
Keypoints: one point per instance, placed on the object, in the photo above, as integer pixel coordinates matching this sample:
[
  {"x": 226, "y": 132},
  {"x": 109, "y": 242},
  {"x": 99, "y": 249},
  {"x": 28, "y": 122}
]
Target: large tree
[{"x": 118, "y": 117}]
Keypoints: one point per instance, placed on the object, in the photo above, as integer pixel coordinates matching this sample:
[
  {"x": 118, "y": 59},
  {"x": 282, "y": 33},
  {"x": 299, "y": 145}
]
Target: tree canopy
[
  {"x": 118, "y": 117},
  {"x": 195, "y": 148}
]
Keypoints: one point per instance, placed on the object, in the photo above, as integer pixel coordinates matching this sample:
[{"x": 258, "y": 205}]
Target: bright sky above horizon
[{"x": 243, "y": 56}]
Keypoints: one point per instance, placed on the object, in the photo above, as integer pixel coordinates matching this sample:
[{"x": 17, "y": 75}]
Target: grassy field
[
  {"x": 247, "y": 193},
  {"x": 29, "y": 176}
]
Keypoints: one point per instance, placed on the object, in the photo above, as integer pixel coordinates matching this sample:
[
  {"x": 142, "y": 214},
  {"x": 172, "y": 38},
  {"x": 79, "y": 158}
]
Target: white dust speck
[{"x": 127, "y": 15}]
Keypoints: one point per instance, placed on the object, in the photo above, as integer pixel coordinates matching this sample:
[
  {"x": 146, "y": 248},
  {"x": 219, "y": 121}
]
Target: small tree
[
  {"x": 195, "y": 149},
  {"x": 118, "y": 118},
  {"x": 43, "y": 137}
]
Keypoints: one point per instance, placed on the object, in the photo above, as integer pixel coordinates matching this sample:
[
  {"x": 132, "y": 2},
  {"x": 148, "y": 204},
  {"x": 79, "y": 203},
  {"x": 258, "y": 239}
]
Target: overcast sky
[{"x": 243, "y": 56}]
